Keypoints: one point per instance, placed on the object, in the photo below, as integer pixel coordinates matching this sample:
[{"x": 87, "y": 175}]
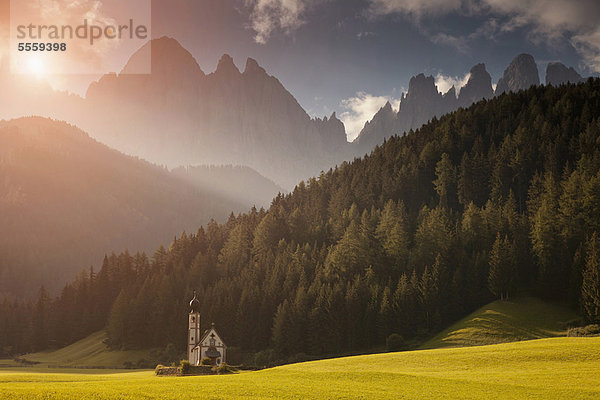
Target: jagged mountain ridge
[
  {"x": 420, "y": 104},
  {"x": 180, "y": 115},
  {"x": 226, "y": 117},
  {"x": 558, "y": 74},
  {"x": 423, "y": 102}
]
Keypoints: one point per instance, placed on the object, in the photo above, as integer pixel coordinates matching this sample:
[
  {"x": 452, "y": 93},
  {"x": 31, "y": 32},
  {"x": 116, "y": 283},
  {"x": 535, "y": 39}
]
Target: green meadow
[
  {"x": 556, "y": 368},
  {"x": 523, "y": 318},
  {"x": 88, "y": 352}
]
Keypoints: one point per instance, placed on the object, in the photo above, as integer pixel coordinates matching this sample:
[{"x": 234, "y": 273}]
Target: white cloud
[
  {"x": 548, "y": 21},
  {"x": 364, "y": 34},
  {"x": 73, "y": 13},
  {"x": 360, "y": 109},
  {"x": 267, "y": 16},
  {"x": 444, "y": 83},
  {"x": 416, "y": 8},
  {"x": 588, "y": 45},
  {"x": 458, "y": 42}
]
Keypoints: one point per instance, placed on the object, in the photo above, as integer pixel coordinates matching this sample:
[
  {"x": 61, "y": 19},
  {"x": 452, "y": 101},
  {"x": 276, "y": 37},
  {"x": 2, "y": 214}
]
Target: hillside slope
[
  {"x": 66, "y": 200},
  {"x": 88, "y": 352},
  {"x": 495, "y": 199},
  {"x": 548, "y": 369},
  {"x": 232, "y": 182},
  {"x": 524, "y": 318}
]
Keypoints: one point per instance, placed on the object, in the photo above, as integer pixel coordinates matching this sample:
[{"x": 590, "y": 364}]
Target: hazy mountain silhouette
[
  {"x": 179, "y": 115},
  {"x": 66, "y": 200},
  {"x": 232, "y": 182}
]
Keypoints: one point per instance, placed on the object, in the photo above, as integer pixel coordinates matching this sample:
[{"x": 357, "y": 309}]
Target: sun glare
[{"x": 36, "y": 67}]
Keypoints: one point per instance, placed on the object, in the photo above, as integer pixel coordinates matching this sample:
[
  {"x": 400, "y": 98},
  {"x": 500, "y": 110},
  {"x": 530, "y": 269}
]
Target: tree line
[{"x": 486, "y": 202}]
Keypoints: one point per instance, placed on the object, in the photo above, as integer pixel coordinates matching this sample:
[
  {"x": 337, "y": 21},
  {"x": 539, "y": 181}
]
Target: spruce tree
[{"x": 590, "y": 288}]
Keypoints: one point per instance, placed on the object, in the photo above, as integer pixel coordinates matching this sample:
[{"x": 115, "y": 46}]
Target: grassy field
[
  {"x": 557, "y": 368},
  {"x": 88, "y": 352},
  {"x": 524, "y": 318}
]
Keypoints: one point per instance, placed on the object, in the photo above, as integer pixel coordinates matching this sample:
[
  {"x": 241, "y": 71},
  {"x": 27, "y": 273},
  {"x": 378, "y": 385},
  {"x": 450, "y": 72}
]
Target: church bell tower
[{"x": 194, "y": 331}]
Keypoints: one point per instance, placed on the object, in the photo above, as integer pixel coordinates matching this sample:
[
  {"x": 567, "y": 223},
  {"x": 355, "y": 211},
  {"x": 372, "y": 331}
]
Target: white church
[{"x": 203, "y": 345}]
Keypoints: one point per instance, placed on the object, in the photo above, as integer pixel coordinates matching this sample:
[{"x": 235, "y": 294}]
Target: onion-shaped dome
[{"x": 194, "y": 304}]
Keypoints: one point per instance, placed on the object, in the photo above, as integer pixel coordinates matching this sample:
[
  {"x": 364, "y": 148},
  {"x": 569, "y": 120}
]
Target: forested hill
[
  {"x": 500, "y": 197},
  {"x": 66, "y": 200}
]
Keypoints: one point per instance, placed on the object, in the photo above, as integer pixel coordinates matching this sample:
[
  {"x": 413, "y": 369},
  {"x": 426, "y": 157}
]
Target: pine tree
[
  {"x": 501, "y": 280},
  {"x": 39, "y": 339},
  {"x": 445, "y": 182},
  {"x": 236, "y": 251},
  {"x": 118, "y": 322},
  {"x": 281, "y": 329},
  {"x": 429, "y": 298},
  {"x": 348, "y": 256},
  {"x": 546, "y": 241},
  {"x": 590, "y": 288}
]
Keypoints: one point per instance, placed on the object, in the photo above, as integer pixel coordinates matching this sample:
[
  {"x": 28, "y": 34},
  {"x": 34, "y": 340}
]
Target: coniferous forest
[{"x": 486, "y": 202}]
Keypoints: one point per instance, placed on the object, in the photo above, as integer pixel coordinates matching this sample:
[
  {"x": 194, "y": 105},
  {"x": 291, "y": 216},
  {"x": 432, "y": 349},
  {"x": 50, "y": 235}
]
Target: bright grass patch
[
  {"x": 524, "y": 318},
  {"x": 557, "y": 368},
  {"x": 88, "y": 352}
]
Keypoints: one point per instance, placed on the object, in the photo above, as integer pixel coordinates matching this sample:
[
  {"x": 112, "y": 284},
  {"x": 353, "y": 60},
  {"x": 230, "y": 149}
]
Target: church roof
[{"x": 207, "y": 333}]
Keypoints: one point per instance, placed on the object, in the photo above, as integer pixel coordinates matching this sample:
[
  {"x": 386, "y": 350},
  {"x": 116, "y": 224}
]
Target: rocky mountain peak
[
  {"x": 167, "y": 57},
  {"x": 479, "y": 86},
  {"x": 252, "y": 67},
  {"x": 521, "y": 74},
  {"x": 226, "y": 66},
  {"x": 383, "y": 122},
  {"x": 422, "y": 86},
  {"x": 450, "y": 94},
  {"x": 557, "y": 74}
]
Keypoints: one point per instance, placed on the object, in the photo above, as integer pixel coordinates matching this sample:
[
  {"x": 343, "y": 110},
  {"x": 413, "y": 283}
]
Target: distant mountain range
[
  {"x": 423, "y": 101},
  {"x": 66, "y": 200},
  {"x": 179, "y": 115}
]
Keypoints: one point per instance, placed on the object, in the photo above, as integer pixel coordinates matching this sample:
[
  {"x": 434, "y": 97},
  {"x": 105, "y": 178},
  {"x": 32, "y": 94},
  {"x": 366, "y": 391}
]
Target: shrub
[
  {"x": 185, "y": 366},
  {"x": 206, "y": 361},
  {"x": 202, "y": 370},
  {"x": 395, "y": 342},
  {"x": 161, "y": 370},
  {"x": 590, "y": 330},
  {"x": 224, "y": 368}
]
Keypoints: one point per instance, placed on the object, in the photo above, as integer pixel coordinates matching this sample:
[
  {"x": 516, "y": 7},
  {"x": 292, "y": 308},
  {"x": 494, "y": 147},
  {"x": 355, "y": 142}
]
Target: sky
[{"x": 351, "y": 56}]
